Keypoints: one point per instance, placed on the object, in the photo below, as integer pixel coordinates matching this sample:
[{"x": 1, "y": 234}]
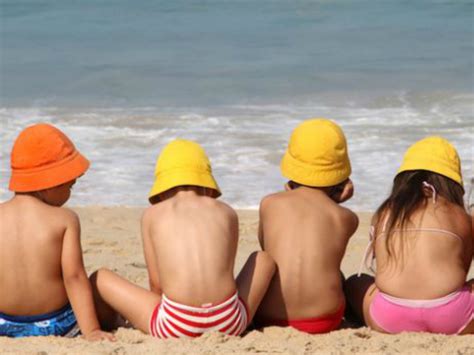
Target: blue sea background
[{"x": 123, "y": 78}]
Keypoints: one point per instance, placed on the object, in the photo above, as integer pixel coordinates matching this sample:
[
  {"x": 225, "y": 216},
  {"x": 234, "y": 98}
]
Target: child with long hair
[{"x": 422, "y": 238}]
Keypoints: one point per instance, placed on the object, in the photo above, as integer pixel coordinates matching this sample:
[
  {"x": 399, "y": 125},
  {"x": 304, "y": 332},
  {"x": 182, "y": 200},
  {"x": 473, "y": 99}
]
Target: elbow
[
  {"x": 74, "y": 278},
  {"x": 155, "y": 287}
]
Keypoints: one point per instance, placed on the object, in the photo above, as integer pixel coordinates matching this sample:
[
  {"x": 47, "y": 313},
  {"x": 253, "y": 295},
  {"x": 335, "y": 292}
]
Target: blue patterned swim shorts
[{"x": 62, "y": 322}]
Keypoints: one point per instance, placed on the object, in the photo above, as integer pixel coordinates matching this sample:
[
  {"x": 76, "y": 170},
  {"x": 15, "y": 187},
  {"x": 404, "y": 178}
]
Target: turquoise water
[
  {"x": 125, "y": 53},
  {"x": 123, "y": 78}
]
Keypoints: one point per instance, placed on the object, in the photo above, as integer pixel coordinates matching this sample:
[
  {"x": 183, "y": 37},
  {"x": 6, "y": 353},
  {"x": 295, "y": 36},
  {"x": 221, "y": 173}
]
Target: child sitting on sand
[
  {"x": 41, "y": 267},
  {"x": 190, "y": 243},
  {"x": 423, "y": 241},
  {"x": 306, "y": 231}
]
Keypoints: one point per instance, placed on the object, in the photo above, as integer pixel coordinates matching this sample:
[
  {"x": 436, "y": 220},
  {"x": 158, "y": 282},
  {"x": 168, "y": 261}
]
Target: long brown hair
[{"x": 407, "y": 196}]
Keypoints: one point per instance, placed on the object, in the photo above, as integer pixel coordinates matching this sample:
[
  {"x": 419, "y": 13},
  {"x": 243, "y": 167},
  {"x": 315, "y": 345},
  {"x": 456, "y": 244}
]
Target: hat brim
[
  {"x": 435, "y": 168},
  {"x": 49, "y": 176},
  {"x": 171, "y": 179},
  {"x": 309, "y": 175}
]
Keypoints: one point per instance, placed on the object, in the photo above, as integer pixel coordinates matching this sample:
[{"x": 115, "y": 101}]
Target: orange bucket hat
[{"x": 43, "y": 157}]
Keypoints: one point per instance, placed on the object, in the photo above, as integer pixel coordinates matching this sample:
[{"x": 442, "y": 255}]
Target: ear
[
  {"x": 346, "y": 193},
  {"x": 427, "y": 191}
]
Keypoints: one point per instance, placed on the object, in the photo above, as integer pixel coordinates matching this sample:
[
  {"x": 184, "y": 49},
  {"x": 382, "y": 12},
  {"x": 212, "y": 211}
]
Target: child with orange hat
[
  {"x": 44, "y": 287},
  {"x": 422, "y": 237},
  {"x": 306, "y": 231},
  {"x": 190, "y": 242}
]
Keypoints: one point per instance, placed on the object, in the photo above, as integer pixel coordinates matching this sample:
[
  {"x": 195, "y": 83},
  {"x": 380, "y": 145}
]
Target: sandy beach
[
  {"x": 111, "y": 238},
  {"x": 123, "y": 79}
]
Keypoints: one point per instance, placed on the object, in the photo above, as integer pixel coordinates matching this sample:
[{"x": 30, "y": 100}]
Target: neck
[
  {"x": 325, "y": 190},
  {"x": 185, "y": 191},
  {"x": 25, "y": 196}
]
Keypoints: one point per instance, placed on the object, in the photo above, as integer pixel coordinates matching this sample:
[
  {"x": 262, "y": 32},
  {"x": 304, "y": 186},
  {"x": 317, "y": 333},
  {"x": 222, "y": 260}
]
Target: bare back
[
  {"x": 431, "y": 258},
  {"x": 306, "y": 233},
  {"x": 190, "y": 245},
  {"x": 31, "y": 239}
]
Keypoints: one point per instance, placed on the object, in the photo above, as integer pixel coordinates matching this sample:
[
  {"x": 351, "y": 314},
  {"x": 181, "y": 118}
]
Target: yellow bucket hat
[
  {"x": 180, "y": 163},
  {"x": 317, "y": 154},
  {"x": 434, "y": 154}
]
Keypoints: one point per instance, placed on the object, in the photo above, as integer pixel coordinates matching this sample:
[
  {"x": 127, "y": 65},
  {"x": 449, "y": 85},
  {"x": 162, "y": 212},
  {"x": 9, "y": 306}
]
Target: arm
[
  {"x": 77, "y": 284},
  {"x": 467, "y": 236},
  {"x": 345, "y": 193},
  {"x": 469, "y": 239},
  {"x": 472, "y": 231},
  {"x": 260, "y": 235},
  {"x": 150, "y": 257},
  {"x": 261, "y": 239}
]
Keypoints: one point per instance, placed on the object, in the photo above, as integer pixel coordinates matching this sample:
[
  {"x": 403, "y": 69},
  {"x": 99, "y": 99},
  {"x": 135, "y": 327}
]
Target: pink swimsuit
[{"x": 447, "y": 315}]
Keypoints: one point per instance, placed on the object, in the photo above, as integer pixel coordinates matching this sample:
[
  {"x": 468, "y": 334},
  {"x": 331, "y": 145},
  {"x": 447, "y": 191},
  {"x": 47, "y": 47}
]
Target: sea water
[{"x": 123, "y": 78}]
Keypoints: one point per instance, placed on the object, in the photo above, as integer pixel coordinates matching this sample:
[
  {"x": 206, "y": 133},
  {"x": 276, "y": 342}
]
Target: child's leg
[
  {"x": 114, "y": 293},
  {"x": 470, "y": 327},
  {"x": 359, "y": 292},
  {"x": 254, "y": 279},
  {"x": 108, "y": 318}
]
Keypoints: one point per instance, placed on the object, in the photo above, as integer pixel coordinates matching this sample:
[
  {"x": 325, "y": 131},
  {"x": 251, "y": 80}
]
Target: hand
[
  {"x": 98, "y": 334},
  {"x": 346, "y": 193}
]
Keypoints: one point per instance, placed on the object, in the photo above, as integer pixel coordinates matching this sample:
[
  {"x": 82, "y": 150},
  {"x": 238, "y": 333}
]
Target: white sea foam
[{"x": 245, "y": 143}]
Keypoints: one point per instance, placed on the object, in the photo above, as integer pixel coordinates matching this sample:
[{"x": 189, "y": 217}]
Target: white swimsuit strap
[
  {"x": 432, "y": 188},
  {"x": 370, "y": 253},
  {"x": 435, "y": 230}
]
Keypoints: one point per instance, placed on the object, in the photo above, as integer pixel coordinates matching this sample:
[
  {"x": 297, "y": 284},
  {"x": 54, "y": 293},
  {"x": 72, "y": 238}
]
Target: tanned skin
[
  {"x": 190, "y": 243},
  {"x": 41, "y": 266},
  {"x": 433, "y": 264},
  {"x": 306, "y": 231}
]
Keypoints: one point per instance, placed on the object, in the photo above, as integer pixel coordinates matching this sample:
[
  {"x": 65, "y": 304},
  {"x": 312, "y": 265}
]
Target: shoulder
[
  {"x": 153, "y": 215},
  {"x": 4, "y": 206},
  {"x": 62, "y": 220},
  {"x": 462, "y": 220},
  {"x": 148, "y": 213},
  {"x": 226, "y": 209},
  {"x": 153, "y": 211},
  {"x": 453, "y": 212},
  {"x": 464, "y": 226},
  {"x": 273, "y": 199},
  {"x": 349, "y": 220},
  {"x": 451, "y": 217},
  {"x": 70, "y": 217}
]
